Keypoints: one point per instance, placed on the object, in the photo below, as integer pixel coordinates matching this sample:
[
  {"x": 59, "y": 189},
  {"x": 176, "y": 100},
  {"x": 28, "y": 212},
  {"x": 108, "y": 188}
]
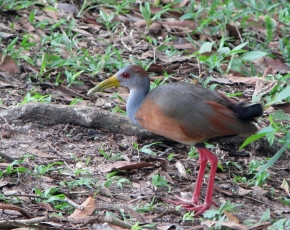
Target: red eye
[{"x": 125, "y": 75}]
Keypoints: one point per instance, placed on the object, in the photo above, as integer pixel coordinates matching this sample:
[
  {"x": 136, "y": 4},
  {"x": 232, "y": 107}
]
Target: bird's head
[{"x": 131, "y": 76}]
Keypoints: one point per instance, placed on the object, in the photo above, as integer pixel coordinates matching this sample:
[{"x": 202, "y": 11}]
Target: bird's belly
[{"x": 153, "y": 120}]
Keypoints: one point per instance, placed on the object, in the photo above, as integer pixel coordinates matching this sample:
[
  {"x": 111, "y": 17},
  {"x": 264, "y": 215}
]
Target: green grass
[{"x": 63, "y": 56}]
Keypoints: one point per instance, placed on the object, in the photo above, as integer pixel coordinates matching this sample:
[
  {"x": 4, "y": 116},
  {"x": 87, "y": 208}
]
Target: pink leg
[
  {"x": 202, "y": 166},
  {"x": 193, "y": 205},
  {"x": 214, "y": 162}
]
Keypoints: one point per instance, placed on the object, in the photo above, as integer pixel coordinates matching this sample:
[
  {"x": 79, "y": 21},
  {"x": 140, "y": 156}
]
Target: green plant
[
  {"x": 270, "y": 28},
  {"x": 136, "y": 226},
  {"x": 52, "y": 195},
  {"x": 160, "y": 181},
  {"x": 270, "y": 132},
  {"x": 158, "y": 82},
  {"x": 42, "y": 169},
  {"x": 241, "y": 179},
  {"x": 147, "y": 207},
  {"x": 146, "y": 13},
  {"x": 280, "y": 224},
  {"x": 3, "y": 198},
  {"x": 219, "y": 215},
  {"x": 254, "y": 168},
  {"x": 10, "y": 50},
  {"x": 119, "y": 181},
  {"x": 146, "y": 148},
  {"x": 252, "y": 178},
  {"x": 108, "y": 20},
  {"x": 266, "y": 217},
  {"x": 117, "y": 109},
  {"x": 16, "y": 5},
  {"x": 112, "y": 156},
  {"x": 88, "y": 159},
  {"x": 82, "y": 172},
  {"x": 193, "y": 152},
  {"x": 14, "y": 167},
  {"x": 88, "y": 182},
  {"x": 284, "y": 46},
  {"x": 76, "y": 100},
  {"x": 170, "y": 156},
  {"x": 285, "y": 201},
  {"x": 235, "y": 164},
  {"x": 72, "y": 78},
  {"x": 216, "y": 59},
  {"x": 188, "y": 216},
  {"x": 34, "y": 96}
]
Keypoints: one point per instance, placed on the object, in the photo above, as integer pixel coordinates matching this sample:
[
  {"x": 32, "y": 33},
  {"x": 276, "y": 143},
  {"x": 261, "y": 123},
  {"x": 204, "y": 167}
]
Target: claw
[{"x": 189, "y": 205}]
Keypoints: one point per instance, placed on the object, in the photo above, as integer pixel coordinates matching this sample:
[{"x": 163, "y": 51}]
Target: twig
[
  {"x": 6, "y": 121},
  {"x": 97, "y": 219},
  {"x": 167, "y": 212},
  {"x": 25, "y": 195},
  {"x": 259, "y": 201},
  {"x": 59, "y": 153},
  {"x": 239, "y": 33},
  {"x": 199, "y": 68},
  {"x": 31, "y": 223},
  {"x": 75, "y": 205},
  {"x": 16, "y": 208},
  {"x": 8, "y": 158}
]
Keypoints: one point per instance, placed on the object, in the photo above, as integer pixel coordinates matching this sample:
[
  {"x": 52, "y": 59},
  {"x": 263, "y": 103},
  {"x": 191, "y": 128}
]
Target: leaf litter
[{"x": 58, "y": 152}]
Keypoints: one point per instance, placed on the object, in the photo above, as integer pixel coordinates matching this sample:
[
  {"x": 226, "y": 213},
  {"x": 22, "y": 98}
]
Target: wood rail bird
[{"x": 188, "y": 114}]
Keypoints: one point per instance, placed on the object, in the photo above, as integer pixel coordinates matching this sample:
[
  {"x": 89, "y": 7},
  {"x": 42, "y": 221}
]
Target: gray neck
[{"x": 136, "y": 97}]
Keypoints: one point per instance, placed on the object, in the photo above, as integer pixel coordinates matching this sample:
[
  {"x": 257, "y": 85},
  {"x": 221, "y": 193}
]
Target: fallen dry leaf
[
  {"x": 5, "y": 35},
  {"x": 8, "y": 64},
  {"x": 259, "y": 191},
  {"x": 233, "y": 29},
  {"x": 91, "y": 21},
  {"x": 175, "y": 58},
  {"x": 89, "y": 207},
  {"x": 69, "y": 8},
  {"x": 284, "y": 107},
  {"x": 26, "y": 25},
  {"x": 242, "y": 191},
  {"x": 231, "y": 217},
  {"x": 181, "y": 169},
  {"x": 276, "y": 65},
  {"x": 51, "y": 14},
  {"x": 211, "y": 224},
  {"x": 38, "y": 153},
  {"x": 286, "y": 185},
  {"x": 245, "y": 80},
  {"x": 6, "y": 85},
  {"x": 167, "y": 176},
  {"x": 263, "y": 87},
  {"x": 224, "y": 191},
  {"x": 103, "y": 198},
  {"x": 125, "y": 165},
  {"x": 180, "y": 23}
]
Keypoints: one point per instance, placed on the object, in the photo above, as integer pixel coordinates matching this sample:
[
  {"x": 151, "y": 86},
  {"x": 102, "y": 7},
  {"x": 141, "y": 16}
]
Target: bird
[{"x": 186, "y": 113}]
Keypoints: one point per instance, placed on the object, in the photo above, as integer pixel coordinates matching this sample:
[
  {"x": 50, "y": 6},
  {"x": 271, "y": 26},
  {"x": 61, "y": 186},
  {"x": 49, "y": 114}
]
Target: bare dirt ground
[{"x": 59, "y": 147}]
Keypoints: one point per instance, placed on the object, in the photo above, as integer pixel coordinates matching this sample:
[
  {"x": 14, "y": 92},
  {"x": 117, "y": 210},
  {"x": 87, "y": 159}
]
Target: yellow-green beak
[{"x": 110, "y": 82}]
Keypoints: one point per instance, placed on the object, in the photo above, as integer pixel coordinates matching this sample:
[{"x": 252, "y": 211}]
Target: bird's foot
[{"x": 189, "y": 205}]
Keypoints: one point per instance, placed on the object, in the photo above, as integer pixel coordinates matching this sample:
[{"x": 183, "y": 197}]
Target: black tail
[{"x": 247, "y": 112}]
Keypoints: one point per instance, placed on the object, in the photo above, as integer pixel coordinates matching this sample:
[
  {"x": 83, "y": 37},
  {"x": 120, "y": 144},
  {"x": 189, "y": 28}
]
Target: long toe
[
  {"x": 176, "y": 203},
  {"x": 198, "y": 210},
  {"x": 189, "y": 205}
]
